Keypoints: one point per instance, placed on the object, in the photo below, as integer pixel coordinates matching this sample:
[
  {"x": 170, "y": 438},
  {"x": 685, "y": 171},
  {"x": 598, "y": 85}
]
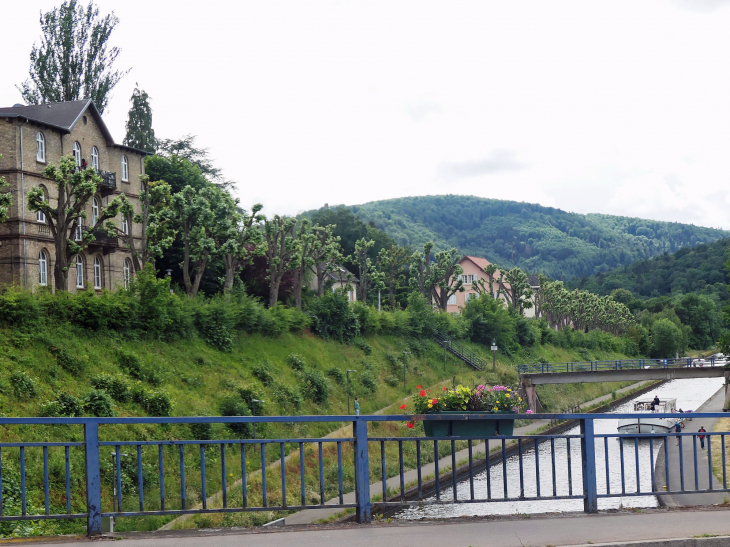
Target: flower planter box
[
  {"x": 479, "y": 424},
  {"x": 505, "y": 426}
]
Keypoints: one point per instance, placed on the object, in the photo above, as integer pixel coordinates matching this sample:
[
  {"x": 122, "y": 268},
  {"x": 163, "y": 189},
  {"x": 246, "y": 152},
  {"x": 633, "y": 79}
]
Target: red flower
[
  {"x": 445, "y": 388},
  {"x": 410, "y": 425},
  {"x": 428, "y": 390},
  {"x": 419, "y": 387},
  {"x": 402, "y": 407},
  {"x": 422, "y": 393}
]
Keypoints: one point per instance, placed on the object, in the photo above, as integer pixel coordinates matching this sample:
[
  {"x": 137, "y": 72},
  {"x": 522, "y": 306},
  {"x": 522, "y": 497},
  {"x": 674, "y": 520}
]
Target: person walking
[
  {"x": 702, "y": 437},
  {"x": 677, "y": 429},
  {"x": 655, "y": 403},
  {"x": 357, "y": 407}
]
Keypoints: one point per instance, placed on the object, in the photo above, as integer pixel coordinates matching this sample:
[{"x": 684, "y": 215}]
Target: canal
[{"x": 690, "y": 394}]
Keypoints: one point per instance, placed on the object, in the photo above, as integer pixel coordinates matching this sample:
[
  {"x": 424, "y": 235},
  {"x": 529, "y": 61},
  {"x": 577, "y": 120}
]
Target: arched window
[
  {"x": 97, "y": 272},
  {"x": 40, "y": 216},
  {"x": 125, "y": 226},
  {"x": 127, "y": 272},
  {"x": 43, "y": 268},
  {"x": 94, "y": 211},
  {"x": 95, "y": 157},
  {"x": 40, "y": 151},
  {"x": 77, "y": 153},
  {"x": 79, "y": 272},
  {"x": 125, "y": 169},
  {"x": 79, "y": 235}
]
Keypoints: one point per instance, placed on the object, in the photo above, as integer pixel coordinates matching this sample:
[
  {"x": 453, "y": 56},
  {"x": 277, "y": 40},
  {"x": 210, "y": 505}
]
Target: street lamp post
[
  {"x": 169, "y": 276},
  {"x": 253, "y": 409},
  {"x": 494, "y": 355},
  {"x": 404, "y": 368},
  {"x": 348, "y": 389}
]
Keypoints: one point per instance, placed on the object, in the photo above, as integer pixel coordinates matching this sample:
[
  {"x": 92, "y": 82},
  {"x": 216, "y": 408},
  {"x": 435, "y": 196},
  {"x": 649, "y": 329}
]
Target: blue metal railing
[
  {"x": 522, "y": 458},
  {"x": 619, "y": 364}
]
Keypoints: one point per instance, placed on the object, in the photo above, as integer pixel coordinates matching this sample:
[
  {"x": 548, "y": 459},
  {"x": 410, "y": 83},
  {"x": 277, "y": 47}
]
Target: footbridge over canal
[{"x": 619, "y": 371}]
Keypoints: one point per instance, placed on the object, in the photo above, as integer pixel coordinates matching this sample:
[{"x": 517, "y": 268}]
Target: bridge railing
[
  {"x": 619, "y": 364},
  {"x": 156, "y": 477}
]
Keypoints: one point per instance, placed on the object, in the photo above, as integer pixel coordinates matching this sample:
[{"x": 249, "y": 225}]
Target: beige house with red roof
[{"x": 473, "y": 267}]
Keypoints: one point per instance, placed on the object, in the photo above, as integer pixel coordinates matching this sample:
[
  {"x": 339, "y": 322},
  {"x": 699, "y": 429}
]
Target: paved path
[
  {"x": 547, "y": 530},
  {"x": 704, "y": 470},
  {"x": 309, "y": 516}
]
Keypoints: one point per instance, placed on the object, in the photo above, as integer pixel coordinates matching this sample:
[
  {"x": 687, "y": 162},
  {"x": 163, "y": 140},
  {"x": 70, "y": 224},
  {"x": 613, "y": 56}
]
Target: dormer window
[
  {"x": 125, "y": 169},
  {"x": 95, "y": 157},
  {"x": 77, "y": 153},
  {"x": 40, "y": 142}
]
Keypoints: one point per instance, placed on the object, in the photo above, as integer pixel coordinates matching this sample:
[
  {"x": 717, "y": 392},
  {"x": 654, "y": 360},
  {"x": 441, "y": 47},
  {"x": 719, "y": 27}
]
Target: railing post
[
  {"x": 588, "y": 460},
  {"x": 362, "y": 471},
  {"x": 93, "y": 479}
]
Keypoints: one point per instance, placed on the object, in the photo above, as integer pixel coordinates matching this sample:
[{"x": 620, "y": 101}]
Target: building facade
[
  {"x": 473, "y": 267},
  {"x": 32, "y": 137}
]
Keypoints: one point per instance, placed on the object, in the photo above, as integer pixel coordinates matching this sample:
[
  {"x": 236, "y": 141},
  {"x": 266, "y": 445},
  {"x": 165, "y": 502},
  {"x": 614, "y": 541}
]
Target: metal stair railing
[{"x": 462, "y": 352}]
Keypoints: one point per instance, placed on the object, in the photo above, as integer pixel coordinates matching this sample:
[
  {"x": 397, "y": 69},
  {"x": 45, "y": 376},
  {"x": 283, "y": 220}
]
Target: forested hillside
[
  {"x": 699, "y": 269},
  {"x": 538, "y": 239}
]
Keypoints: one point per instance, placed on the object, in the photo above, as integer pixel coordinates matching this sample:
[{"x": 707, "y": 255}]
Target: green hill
[
  {"x": 538, "y": 239},
  {"x": 698, "y": 269}
]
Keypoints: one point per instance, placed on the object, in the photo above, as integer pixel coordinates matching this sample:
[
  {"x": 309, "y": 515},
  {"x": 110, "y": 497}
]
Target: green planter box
[
  {"x": 505, "y": 426},
  {"x": 479, "y": 424}
]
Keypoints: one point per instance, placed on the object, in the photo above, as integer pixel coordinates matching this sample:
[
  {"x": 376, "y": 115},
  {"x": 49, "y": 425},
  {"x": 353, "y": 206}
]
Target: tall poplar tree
[
  {"x": 74, "y": 60},
  {"x": 140, "y": 134}
]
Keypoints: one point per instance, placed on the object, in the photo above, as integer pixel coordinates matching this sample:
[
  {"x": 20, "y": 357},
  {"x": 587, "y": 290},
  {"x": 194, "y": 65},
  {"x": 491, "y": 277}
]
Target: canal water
[{"x": 690, "y": 394}]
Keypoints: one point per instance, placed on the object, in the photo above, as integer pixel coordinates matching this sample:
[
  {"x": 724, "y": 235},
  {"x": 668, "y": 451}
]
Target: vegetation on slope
[{"x": 538, "y": 239}]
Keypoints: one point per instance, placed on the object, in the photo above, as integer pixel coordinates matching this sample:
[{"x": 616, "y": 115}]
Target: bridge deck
[{"x": 621, "y": 375}]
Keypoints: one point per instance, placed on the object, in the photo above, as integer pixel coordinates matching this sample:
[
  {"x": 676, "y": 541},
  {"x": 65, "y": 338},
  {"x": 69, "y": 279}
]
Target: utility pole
[{"x": 348, "y": 389}]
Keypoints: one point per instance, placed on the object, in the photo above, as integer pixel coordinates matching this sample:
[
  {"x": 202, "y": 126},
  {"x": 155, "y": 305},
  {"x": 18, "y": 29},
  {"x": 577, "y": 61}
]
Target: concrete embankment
[{"x": 713, "y": 404}]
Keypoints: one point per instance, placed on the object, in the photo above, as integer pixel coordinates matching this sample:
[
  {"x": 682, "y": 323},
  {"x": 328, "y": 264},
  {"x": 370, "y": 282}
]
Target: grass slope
[
  {"x": 538, "y": 239},
  {"x": 197, "y": 378}
]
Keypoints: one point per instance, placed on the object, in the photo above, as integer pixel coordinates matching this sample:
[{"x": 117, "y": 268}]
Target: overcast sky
[{"x": 619, "y": 107}]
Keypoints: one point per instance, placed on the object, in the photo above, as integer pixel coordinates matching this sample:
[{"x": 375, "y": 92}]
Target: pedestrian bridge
[{"x": 621, "y": 371}]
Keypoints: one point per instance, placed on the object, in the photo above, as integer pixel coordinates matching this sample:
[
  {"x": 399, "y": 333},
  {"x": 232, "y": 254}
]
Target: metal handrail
[
  {"x": 620, "y": 364},
  {"x": 462, "y": 352}
]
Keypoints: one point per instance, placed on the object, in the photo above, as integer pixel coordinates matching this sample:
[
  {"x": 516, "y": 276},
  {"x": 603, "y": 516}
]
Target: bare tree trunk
[
  {"x": 297, "y": 286},
  {"x": 321, "y": 274},
  {"x": 228, "y": 283},
  {"x": 199, "y": 269},
  {"x": 60, "y": 268},
  {"x": 274, "y": 289}
]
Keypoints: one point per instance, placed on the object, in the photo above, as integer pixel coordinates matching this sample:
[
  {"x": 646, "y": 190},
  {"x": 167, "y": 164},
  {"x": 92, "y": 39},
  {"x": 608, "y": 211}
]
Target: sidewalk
[
  {"x": 310, "y": 516},
  {"x": 544, "y": 530},
  {"x": 713, "y": 404}
]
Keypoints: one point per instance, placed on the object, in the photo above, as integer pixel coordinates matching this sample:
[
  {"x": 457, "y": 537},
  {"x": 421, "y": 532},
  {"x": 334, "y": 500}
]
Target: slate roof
[
  {"x": 534, "y": 281},
  {"x": 63, "y": 117}
]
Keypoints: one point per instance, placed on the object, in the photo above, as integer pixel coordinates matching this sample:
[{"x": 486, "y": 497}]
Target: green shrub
[
  {"x": 248, "y": 394},
  {"x": 215, "y": 320},
  {"x": 393, "y": 362},
  {"x": 20, "y": 308},
  {"x": 130, "y": 364},
  {"x": 65, "y": 405},
  {"x": 289, "y": 398},
  {"x": 116, "y": 386},
  {"x": 138, "y": 394},
  {"x": 336, "y": 374},
  {"x": 201, "y": 431},
  {"x": 315, "y": 386},
  {"x": 392, "y": 381},
  {"x": 158, "y": 403},
  {"x": 263, "y": 372},
  {"x": 368, "y": 381},
  {"x": 98, "y": 403},
  {"x": 332, "y": 318},
  {"x": 367, "y": 318},
  {"x": 296, "y": 362},
  {"x": 234, "y": 406},
  {"x": 24, "y": 386},
  {"x": 366, "y": 348},
  {"x": 67, "y": 360}
]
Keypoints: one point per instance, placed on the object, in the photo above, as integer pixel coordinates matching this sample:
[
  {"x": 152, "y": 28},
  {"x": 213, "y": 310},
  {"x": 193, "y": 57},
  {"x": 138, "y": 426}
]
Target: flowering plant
[{"x": 465, "y": 399}]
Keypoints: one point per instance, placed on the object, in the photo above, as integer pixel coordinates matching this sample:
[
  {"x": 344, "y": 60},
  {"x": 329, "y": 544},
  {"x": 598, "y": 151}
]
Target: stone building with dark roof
[{"x": 32, "y": 137}]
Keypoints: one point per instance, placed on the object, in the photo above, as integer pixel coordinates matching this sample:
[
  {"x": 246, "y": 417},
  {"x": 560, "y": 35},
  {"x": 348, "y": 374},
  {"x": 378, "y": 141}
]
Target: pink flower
[{"x": 529, "y": 411}]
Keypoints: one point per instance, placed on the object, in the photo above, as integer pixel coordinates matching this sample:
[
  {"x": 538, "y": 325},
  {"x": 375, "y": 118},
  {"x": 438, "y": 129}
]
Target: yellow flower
[
  {"x": 519, "y": 399},
  {"x": 430, "y": 405},
  {"x": 508, "y": 395}
]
